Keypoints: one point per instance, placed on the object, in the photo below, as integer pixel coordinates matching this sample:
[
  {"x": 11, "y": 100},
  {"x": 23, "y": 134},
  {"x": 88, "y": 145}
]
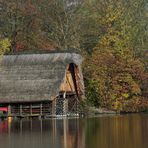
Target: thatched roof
[{"x": 34, "y": 77}]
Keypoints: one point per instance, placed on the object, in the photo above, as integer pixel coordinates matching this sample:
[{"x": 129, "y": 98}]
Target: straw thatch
[{"x": 34, "y": 77}]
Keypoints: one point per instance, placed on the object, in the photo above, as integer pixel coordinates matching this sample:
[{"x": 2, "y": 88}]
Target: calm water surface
[{"x": 116, "y": 131}]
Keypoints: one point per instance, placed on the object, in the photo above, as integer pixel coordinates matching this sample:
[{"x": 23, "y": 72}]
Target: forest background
[{"x": 112, "y": 36}]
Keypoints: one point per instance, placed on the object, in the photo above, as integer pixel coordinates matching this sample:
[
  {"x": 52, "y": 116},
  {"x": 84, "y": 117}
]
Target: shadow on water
[{"x": 118, "y": 131}]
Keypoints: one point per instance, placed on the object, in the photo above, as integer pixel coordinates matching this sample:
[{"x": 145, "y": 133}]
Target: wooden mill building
[{"x": 41, "y": 84}]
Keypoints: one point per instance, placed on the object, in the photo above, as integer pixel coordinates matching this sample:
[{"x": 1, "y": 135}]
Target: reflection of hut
[{"x": 41, "y": 84}]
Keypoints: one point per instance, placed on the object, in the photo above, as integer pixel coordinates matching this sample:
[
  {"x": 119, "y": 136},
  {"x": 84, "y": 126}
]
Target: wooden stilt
[
  {"x": 21, "y": 110},
  {"x": 54, "y": 107},
  {"x": 65, "y": 106},
  {"x": 41, "y": 109},
  {"x": 9, "y": 110},
  {"x": 30, "y": 109}
]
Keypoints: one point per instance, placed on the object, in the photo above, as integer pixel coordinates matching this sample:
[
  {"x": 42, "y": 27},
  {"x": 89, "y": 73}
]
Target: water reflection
[
  {"x": 124, "y": 131},
  {"x": 34, "y": 133}
]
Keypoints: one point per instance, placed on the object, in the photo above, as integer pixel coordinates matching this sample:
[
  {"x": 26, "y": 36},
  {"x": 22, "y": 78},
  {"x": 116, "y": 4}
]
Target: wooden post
[
  {"x": 41, "y": 109},
  {"x": 21, "y": 110},
  {"x": 65, "y": 106},
  {"x": 54, "y": 107},
  {"x": 30, "y": 109},
  {"x": 9, "y": 110}
]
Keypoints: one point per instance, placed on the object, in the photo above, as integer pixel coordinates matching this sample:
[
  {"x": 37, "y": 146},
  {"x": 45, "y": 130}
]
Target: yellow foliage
[
  {"x": 117, "y": 105},
  {"x": 4, "y": 45},
  {"x": 112, "y": 14},
  {"x": 125, "y": 95}
]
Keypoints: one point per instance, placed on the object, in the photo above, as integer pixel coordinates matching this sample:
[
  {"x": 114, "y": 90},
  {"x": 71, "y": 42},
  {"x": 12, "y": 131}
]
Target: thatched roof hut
[{"x": 38, "y": 77}]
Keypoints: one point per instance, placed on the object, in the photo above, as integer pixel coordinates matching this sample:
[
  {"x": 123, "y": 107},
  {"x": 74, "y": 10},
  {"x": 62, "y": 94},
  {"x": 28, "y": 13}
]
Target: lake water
[{"x": 106, "y": 131}]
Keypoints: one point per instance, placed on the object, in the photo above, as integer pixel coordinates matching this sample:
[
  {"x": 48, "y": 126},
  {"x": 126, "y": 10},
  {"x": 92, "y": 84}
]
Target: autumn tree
[
  {"x": 20, "y": 22},
  {"x": 112, "y": 70}
]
